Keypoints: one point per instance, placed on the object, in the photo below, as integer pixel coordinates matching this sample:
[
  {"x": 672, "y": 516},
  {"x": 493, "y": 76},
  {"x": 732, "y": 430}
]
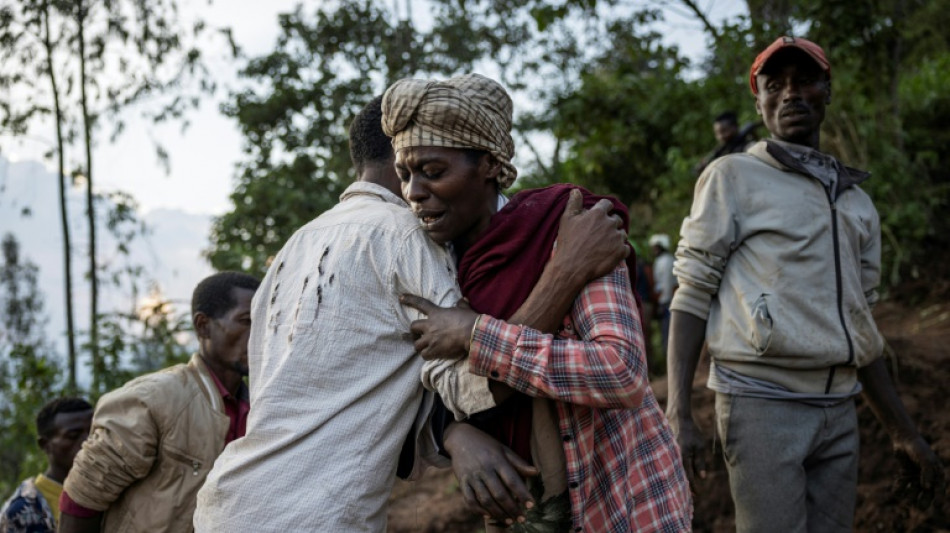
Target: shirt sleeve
[
  {"x": 424, "y": 269},
  {"x": 602, "y": 365},
  {"x": 119, "y": 451},
  {"x": 707, "y": 237}
]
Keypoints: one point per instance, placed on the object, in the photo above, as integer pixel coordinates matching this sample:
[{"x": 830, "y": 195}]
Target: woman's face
[{"x": 452, "y": 193}]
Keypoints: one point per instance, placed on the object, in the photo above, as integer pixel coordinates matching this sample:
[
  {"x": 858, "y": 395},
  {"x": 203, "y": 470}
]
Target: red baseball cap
[{"x": 813, "y": 50}]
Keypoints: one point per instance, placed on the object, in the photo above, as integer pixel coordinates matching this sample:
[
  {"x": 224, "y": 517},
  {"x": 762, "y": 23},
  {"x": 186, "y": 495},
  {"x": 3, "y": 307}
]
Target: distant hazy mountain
[{"x": 170, "y": 253}]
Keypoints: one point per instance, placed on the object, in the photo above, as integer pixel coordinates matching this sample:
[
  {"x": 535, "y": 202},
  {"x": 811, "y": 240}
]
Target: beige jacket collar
[{"x": 206, "y": 382}]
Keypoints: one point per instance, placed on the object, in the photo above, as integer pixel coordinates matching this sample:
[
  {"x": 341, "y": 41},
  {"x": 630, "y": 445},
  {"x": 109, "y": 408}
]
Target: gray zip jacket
[{"x": 781, "y": 255}]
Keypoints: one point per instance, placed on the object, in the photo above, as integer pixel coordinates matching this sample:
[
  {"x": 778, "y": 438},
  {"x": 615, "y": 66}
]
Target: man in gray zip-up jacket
[{"x": 778, "y": 266}]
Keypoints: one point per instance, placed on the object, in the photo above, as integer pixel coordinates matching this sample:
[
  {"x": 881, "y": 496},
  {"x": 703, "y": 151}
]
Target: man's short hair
[
  {"x": 47, "y": 414},
  {"x": 729, "y": 117},
  {"x": 368, "y": 143},
  {"x": 214, "y": 295}
]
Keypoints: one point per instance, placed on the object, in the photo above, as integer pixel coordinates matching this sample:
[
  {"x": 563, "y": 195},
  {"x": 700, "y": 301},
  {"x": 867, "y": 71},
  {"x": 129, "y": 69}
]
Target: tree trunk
[
  {"x": 896, "y": 57},
  {"x": 67, "y": 252},
  {"x": 90, "y": 203}
]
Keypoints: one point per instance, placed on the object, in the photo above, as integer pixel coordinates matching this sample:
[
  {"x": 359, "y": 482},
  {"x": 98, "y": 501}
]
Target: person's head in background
[
  {"x": 726, "y": 127},
  {"x": 62, "y": 425}
]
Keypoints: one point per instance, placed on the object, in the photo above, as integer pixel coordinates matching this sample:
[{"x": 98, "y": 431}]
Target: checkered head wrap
[{"x": 468, "y": 112}]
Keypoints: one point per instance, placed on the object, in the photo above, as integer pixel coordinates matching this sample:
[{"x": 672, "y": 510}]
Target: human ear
[
  {"x": 200, "y": 321},
  {"x": 493, "y": 167},
  {"x": 758, "y": 110}
]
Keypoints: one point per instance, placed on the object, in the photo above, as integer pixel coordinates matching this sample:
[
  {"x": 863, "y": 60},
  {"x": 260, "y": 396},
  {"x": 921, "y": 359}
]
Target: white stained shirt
[{"x": 334, "y": 380}]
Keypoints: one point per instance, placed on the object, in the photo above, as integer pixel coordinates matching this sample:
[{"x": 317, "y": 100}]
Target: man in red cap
[{"x": 778, "y": 265}]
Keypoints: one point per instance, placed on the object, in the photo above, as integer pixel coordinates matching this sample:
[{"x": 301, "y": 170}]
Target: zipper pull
[{"x": 195, "y": 465}]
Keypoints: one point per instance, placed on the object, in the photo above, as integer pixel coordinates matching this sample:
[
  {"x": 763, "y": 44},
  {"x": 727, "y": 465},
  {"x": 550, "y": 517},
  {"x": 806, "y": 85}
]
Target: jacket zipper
[{"x": 840, "y": 294}]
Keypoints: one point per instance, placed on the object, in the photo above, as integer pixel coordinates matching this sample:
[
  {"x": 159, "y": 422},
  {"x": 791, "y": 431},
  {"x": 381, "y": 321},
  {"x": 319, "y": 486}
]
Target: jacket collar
[
  {"x": 207, "y": 382},
  {"x": 783, "y": 156}
]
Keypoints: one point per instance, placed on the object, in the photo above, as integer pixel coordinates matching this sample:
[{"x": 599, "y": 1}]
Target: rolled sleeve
[
  {"x": 120, "y": 450},
  {"x": 462, "y": 392},
  {"x": 707, "y": 237}
]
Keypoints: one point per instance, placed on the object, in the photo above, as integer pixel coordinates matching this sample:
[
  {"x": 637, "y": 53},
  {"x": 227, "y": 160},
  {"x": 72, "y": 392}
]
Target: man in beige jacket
[{"x": 154, "y": 440}]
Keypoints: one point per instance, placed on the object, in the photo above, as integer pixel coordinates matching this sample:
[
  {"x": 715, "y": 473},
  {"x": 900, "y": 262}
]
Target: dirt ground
[{"x": 918, "y": 335}]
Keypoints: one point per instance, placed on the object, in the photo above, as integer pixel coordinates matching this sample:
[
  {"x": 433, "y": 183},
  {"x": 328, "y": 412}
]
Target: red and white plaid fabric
[{"x": 624, "y": 467}]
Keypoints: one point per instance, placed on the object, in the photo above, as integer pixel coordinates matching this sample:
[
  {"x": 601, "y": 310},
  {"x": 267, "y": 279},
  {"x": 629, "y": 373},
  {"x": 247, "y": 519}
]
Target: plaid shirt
[{"x": 623, "y": 465}]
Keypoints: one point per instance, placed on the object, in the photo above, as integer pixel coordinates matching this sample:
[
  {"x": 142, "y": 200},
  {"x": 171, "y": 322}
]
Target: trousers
[{"x": 792, "y": 467}]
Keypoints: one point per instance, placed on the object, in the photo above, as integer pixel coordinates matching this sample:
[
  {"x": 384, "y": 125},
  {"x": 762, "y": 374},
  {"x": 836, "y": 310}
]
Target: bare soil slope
[{"x": 919, "y": 338}]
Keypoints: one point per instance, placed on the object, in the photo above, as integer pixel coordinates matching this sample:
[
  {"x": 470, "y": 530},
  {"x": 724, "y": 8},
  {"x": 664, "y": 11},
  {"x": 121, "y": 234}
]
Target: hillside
[{"x": 917, "y": 329}]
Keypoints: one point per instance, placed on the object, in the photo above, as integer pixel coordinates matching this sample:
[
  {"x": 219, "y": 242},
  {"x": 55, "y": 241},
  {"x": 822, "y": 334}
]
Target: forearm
[
  {"x": 882, "y": 397},
  {"x": 74, "y": 524},
  {"x": 544, "y": 309},
  {"x": 687, "y": 334},
  {"x": 601, "y": 364},
  {"x": 551, "y": 299}
]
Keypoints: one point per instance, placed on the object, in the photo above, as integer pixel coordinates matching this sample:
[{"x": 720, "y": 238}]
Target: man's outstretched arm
[
  {"x": 921, "y": 477},
  {"x": 687, "y": 334}
]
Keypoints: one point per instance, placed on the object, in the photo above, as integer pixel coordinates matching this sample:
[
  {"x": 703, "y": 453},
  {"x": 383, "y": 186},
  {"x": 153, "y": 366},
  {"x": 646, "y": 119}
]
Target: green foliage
[
  {"x": 295, "y": 128},
  {"x": 329, "y": 64},
  {"x": 29, "y": 372},
  {"x": 151, "y": 338},
  {"x": 82, "y": 61},
  {"x": 641, "y": 118},
  {"x": 295, "y": 118},
  {"x": 627, "y": 115}
]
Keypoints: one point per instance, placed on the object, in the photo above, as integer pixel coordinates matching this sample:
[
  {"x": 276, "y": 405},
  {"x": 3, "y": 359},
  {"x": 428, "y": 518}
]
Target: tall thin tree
[
  {"x": 80, "y": 14},
  {"x": 63, "y": 185}
]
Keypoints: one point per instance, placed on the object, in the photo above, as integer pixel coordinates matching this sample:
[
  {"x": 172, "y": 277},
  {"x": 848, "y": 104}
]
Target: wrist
[
  {"x": 678, "y": 414},
  {"x": 563, "y": 276},
  {"x": 471, "y": 334},
  {"x": 903, "y": 438},
  {"x": 448, "y": 437}
]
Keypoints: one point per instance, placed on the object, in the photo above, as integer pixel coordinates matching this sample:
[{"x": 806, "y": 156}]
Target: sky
[{"x": 179, "y": 205}]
